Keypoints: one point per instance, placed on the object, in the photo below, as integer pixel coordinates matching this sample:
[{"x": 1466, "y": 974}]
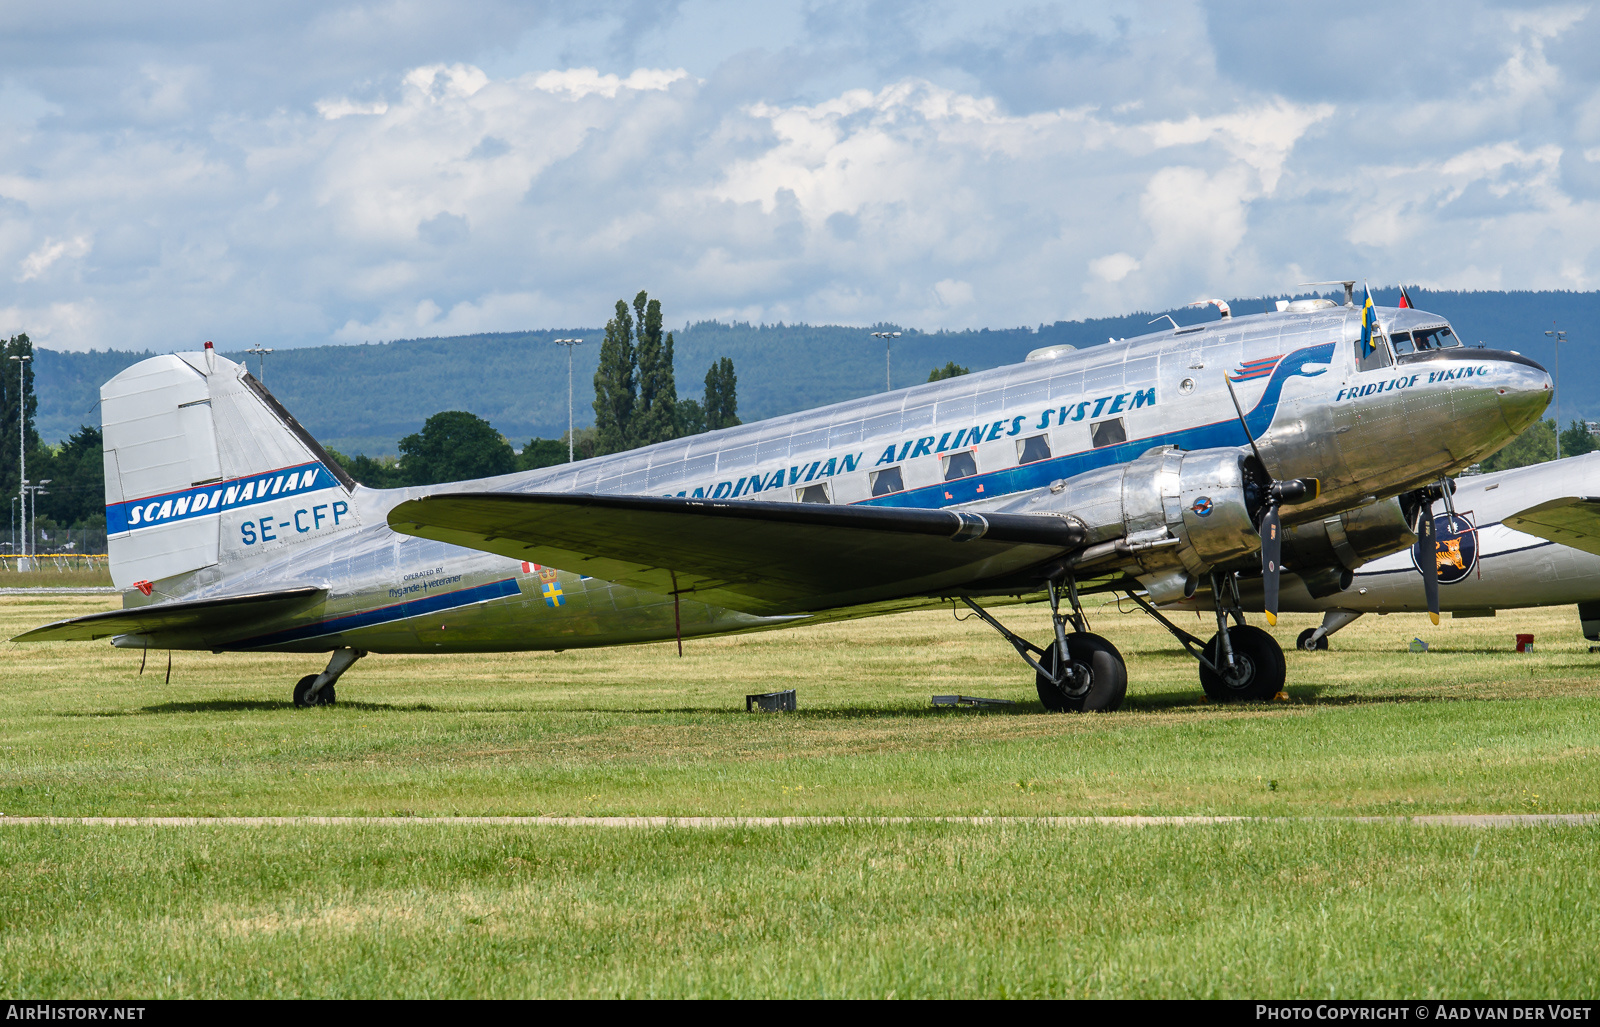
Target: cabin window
[
  {"x": 1379, "y": 357},
  {"x": 1436, "y": 338},
  {"x": 813, "y": 494},
  {"x": 1107, "y": 433},
  {"x": 1031, "y": 449},
  {"x": 1401, "y": 341},
  {"x": 886, "y": 481},
  {"x": 960, "y": 465}
]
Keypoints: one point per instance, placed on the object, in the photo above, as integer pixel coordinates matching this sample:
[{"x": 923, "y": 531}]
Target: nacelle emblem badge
[{"x": 1202, "y": 506}]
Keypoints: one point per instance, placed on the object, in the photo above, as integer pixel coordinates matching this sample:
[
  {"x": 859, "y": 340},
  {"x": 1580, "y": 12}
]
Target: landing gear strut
[
  {"x": 1076, "y": 672},
  {"x": 317, "y": 689},
  {"x": 1240, "y": 662},
  {"x": 1313, "y": 639}
]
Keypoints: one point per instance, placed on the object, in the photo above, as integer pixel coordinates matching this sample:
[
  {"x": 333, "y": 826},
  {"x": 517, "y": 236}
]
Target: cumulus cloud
[{"x": 954, "y": 167}]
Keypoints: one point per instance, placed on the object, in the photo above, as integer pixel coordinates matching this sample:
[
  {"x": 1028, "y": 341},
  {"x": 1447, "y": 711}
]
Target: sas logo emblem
[
  {"x": 1202, "y": 507},
  {"x": 1457, "y": 555}
]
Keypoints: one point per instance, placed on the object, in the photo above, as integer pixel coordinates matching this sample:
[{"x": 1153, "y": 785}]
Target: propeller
[
  {"x": 1427, "y": 538},
  {"x": 1270, "y": 527}
]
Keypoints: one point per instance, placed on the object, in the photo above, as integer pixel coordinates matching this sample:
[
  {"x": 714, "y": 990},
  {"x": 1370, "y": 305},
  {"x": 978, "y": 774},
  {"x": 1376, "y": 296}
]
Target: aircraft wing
[
  {"x": 751, "y": 556},
  {"x": 210, "y": 617},
  {"x": 1571, "y": 520}
]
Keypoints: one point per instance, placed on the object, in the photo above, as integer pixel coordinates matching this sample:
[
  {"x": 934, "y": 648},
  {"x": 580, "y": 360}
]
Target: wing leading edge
[{"x": 757, "y": 557}]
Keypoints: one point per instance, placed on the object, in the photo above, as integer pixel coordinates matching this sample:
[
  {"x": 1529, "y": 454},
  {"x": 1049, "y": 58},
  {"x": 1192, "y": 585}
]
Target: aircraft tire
[
  {"x": 1257, "y": 654},
  {"x": 1107, "y": 676},
  {"x": 325, "y": 697},
  {"x": 1305, "y": 636}
]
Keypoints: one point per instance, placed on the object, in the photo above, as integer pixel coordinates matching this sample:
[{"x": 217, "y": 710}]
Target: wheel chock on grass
[
  {"x": 970, "y": 700},
  {"x": 1282, "y": 696}
]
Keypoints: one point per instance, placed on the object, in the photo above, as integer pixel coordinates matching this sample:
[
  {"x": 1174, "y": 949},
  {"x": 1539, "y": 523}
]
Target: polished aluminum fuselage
[{"x": 1364, "y": 433}]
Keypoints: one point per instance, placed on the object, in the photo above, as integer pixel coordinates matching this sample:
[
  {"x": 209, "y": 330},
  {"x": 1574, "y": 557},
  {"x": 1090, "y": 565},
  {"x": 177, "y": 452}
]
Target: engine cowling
[
  {"x": 1324, "y": 553},
  {"x": 1174, "y": 515}
]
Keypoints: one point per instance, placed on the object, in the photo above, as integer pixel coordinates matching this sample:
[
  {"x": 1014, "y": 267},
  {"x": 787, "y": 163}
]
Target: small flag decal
[{"x": 552, "y": 594}]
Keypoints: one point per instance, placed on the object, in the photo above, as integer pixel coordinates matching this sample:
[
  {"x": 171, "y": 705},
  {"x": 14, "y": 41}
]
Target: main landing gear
[
  {"x": 1076, "y": 672},
  {"x": 1240, "y": 662},
  {"x": 317, "y": 689}
]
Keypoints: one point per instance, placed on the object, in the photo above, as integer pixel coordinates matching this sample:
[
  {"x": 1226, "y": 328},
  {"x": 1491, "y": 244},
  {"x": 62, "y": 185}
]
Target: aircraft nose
[{"x": 1524, "y": 390}]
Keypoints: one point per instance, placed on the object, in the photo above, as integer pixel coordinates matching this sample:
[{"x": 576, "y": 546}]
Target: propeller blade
[
  {"x": 1429, "y": 544},
  {"x": 1271, "y": 558}
]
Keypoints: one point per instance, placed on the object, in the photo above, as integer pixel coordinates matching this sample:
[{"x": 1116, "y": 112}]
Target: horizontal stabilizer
[
  {"x": 1571, "y": 520},
  {"x": 757, "y": 557},
  {"x": 222, "y": 618}
]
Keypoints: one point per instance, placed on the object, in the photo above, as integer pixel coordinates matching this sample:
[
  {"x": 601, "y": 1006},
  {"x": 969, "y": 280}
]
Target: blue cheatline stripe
[
  {"x": 502, "y": 589},
  {"x": 205, "y": 500},
  {"x": 1032, "y": 476}
]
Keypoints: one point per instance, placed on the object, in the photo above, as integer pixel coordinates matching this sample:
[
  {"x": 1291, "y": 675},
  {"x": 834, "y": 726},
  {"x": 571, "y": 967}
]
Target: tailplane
[{"x": 204, "y": 468}]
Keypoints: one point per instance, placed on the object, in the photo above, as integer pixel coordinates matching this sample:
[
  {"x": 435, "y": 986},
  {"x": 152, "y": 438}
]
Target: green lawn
[
  {"x": 1307, "y": 910},
  {"x": 1286, "y": 908}
]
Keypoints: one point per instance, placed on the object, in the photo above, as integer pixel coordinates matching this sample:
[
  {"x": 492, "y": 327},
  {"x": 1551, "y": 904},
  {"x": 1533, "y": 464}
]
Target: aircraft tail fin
[{"x": 204, "y": 468}]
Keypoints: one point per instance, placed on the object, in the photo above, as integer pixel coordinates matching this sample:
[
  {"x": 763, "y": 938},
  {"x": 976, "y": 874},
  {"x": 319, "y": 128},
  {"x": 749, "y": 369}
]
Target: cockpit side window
[
  {"x": 1436, "y": 338},
  {"x": 1379, "y": 357},
  {"x": 1401, "y": 341}
]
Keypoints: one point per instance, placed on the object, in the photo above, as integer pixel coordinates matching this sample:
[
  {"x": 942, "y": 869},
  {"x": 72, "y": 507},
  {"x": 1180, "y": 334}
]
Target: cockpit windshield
[{"x": 1435, "y": 338}]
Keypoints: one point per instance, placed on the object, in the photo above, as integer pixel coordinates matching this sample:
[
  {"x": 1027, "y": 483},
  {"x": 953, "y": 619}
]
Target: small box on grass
[{"x": 770, "y": 702}]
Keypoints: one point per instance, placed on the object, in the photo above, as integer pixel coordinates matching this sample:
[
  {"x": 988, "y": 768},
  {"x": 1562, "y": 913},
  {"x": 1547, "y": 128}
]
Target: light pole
[
  {"x": 888, "y": 338},
  {"x": 1560, "y": 337},
  {"x": 33, "y": 530},
  {"x": 569, "y": 343},
  {"x": 22, "y": 449},
  {"x": 261, "y": 361}
]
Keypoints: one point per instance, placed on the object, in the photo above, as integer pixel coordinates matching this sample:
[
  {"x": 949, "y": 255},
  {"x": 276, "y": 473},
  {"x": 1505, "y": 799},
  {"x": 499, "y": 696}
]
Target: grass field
[{"x": 1293, "y": 908}]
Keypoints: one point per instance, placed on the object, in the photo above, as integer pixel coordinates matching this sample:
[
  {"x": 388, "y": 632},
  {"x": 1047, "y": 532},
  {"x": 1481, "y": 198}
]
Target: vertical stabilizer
[{"x": 205, "y": 468}]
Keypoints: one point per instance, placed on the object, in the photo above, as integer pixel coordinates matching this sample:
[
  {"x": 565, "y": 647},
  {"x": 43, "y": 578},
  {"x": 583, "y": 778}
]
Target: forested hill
[{"x": 363, "y": 399}]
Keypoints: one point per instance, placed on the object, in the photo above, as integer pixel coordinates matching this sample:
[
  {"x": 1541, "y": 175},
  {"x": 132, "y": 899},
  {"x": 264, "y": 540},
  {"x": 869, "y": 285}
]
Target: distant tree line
[
  {"x": 75, "y": 471},
  {"x": 1538, "y": 444},
  {"x": 636, "y": 404}
]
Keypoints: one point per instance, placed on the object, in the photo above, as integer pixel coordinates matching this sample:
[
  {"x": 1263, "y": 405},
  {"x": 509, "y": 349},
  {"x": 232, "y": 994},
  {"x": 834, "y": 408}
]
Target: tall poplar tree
[
  {"x": 655, "y": 417},
  {"x": 722, "y": 399},
  {"x": 614, "y": 389}
]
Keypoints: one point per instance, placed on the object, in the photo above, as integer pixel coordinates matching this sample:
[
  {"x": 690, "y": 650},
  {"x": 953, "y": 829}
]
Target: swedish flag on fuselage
[{"x": 1369, "y": 324}]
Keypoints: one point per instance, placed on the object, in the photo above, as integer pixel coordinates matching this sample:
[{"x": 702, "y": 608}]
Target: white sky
[{"x": 299, "y": 172}]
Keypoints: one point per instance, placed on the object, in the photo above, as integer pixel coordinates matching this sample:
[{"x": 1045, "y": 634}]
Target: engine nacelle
[
  {"x": 1177, "y": 515},
  {"x": 1325, "y": 552}
]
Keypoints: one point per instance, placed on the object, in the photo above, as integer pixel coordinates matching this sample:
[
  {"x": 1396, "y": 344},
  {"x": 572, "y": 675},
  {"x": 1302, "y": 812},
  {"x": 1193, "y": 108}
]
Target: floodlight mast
[
  {"x": 22, "y": 450},
  {"x": 1560, "y": 337},
  {"x": 888, "y": 338},
  {"x": 261, "y": 361},
  {"x": 569, "y": 343}
]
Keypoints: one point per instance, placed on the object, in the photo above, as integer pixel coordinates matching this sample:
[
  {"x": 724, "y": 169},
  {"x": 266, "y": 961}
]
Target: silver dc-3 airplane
[
  {"x": 1511, "y": 540},
  {"x": 1165, "y": 466}
]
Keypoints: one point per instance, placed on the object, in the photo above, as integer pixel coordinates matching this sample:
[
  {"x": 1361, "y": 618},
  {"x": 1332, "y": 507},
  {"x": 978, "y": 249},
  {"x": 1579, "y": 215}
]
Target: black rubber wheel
[
  {"x": 324, "y": 697},
  {"x": 1305, "y": 636},
  {"x": 1099, "y": 680},
  {"x": 1259, "y": 666}
]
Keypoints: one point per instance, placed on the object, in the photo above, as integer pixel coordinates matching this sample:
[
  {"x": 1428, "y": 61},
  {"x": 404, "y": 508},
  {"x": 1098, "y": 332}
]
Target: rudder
[{"x": 204, "y": 468}]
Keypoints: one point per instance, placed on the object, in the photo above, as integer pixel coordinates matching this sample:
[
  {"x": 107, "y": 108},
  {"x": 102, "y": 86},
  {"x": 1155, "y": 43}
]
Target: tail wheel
[
  {"x": 303, "y": 697},
  {"x": 1258, "y": 672},
  {"x": 1096, "y": 679},
  {"x": 1304, "y": 641}
]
